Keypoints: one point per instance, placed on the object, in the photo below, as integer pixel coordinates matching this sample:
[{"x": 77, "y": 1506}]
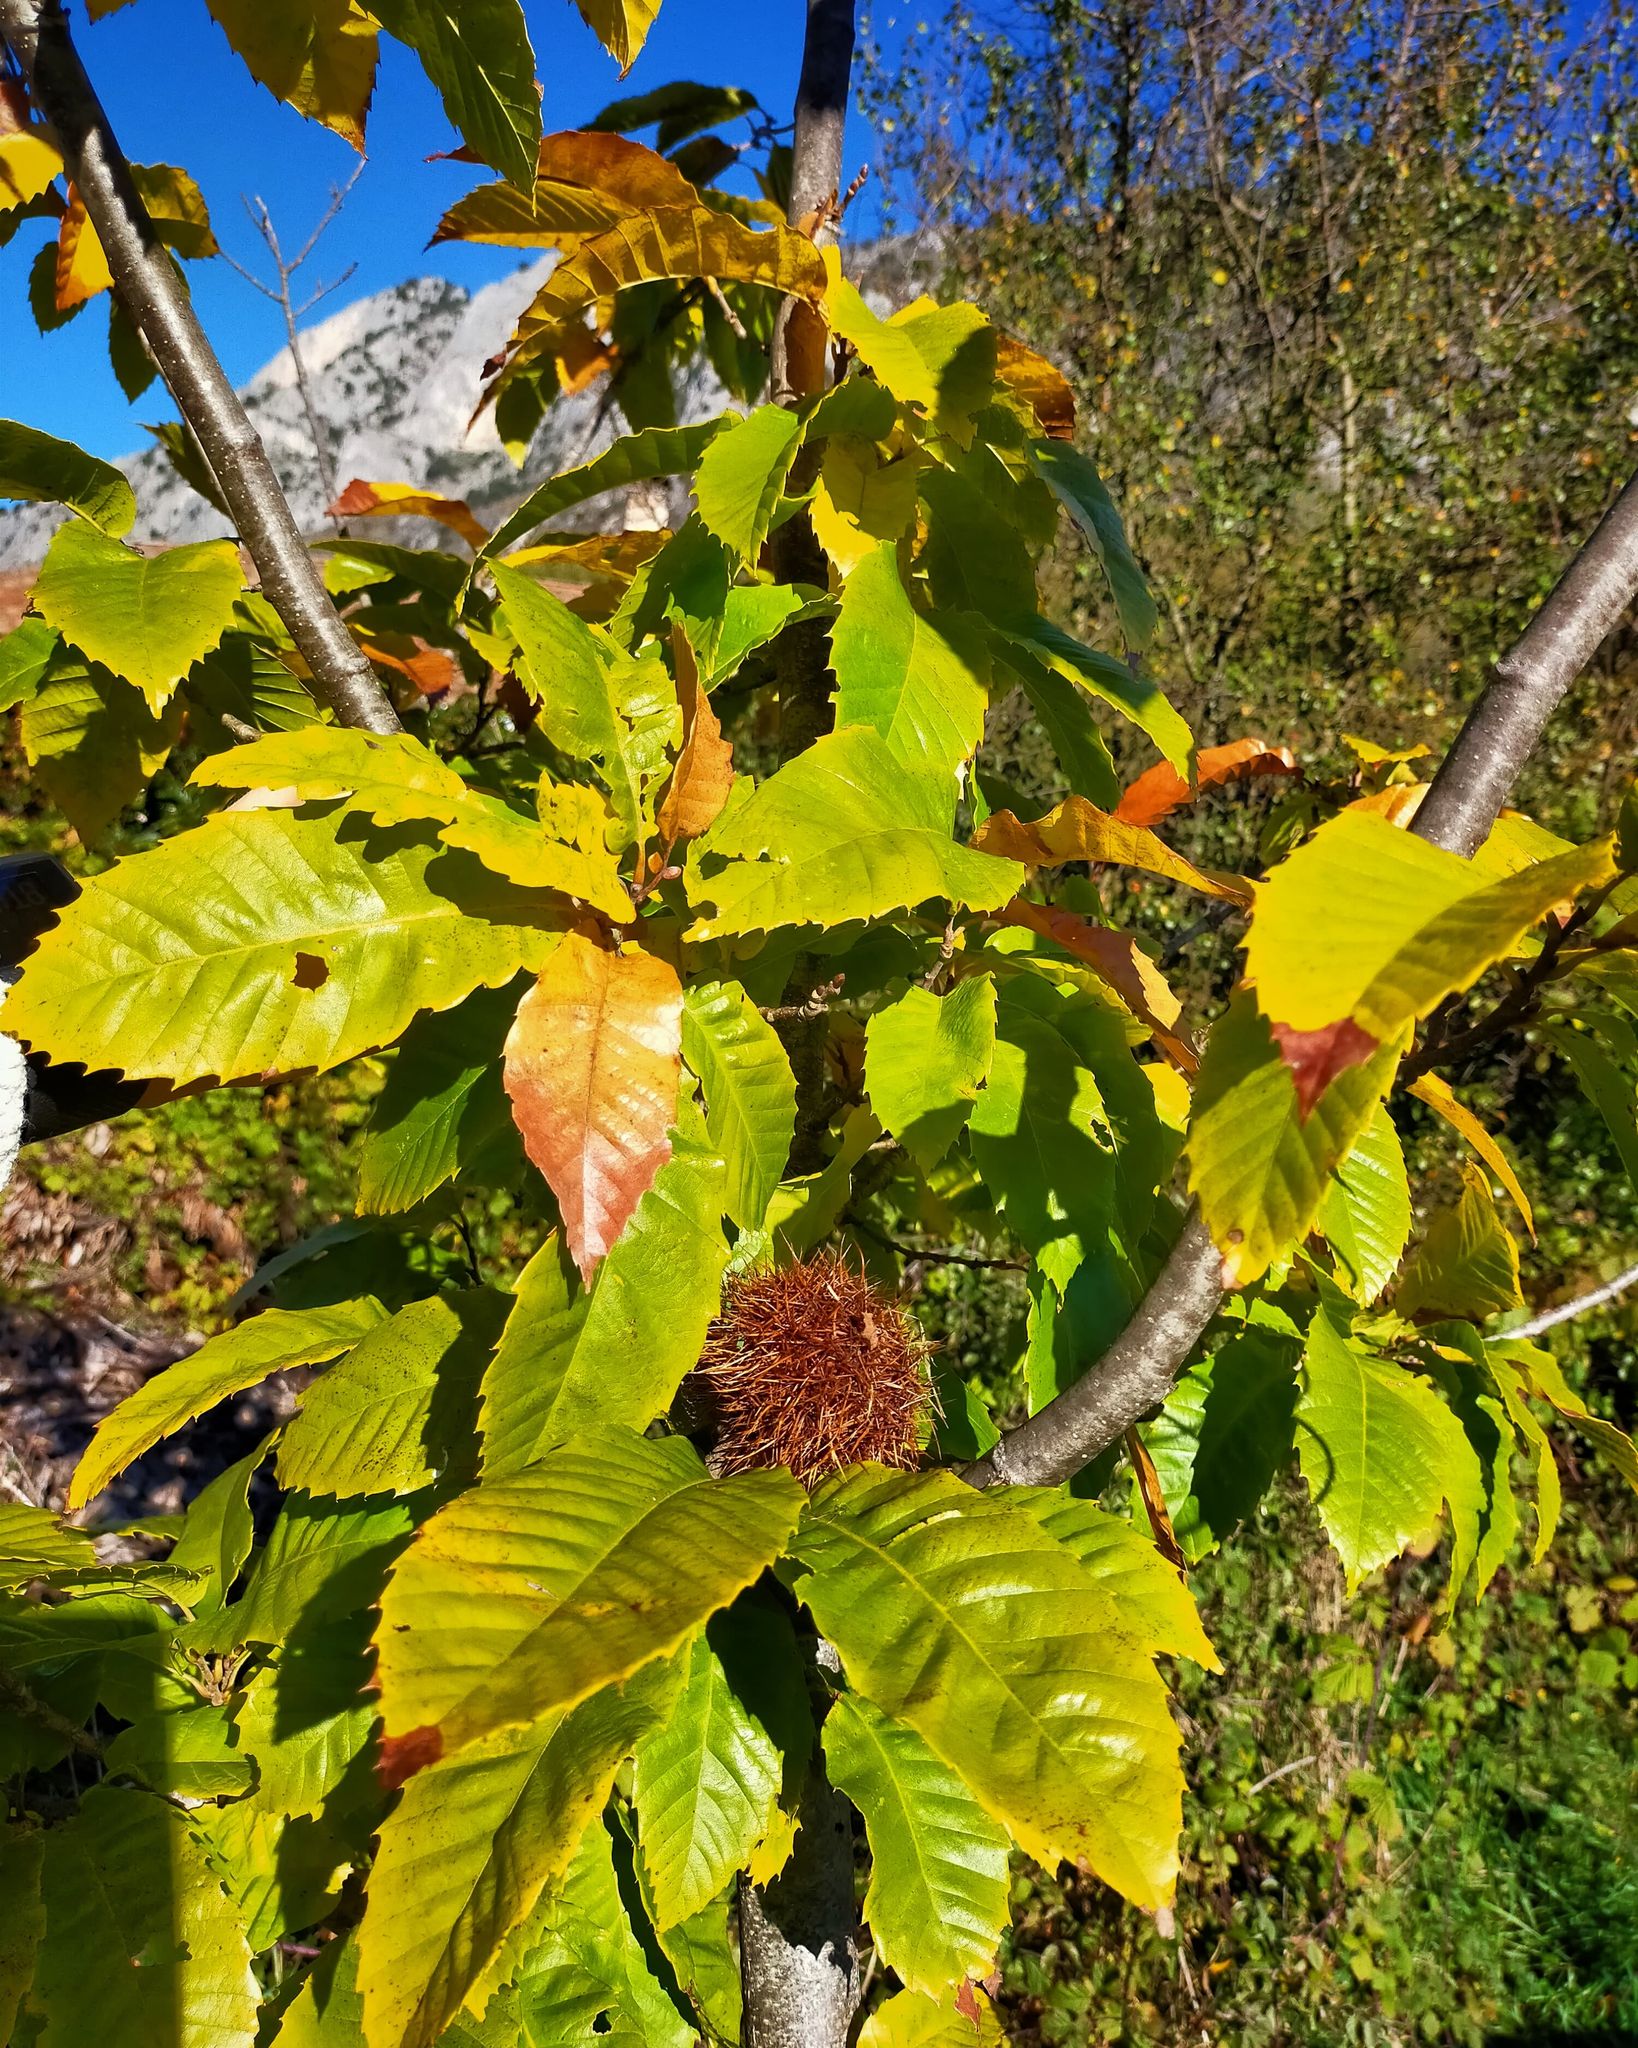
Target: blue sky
[{"x": 176, "y": 94}]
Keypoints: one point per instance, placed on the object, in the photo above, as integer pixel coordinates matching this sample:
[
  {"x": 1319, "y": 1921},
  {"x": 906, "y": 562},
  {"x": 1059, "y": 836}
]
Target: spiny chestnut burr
[{"x": 812, "y": 1367}]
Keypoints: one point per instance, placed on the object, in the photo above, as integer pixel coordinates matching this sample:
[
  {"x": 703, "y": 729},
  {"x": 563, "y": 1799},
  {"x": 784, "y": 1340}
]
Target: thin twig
[
  {"x": 1297, "y": 1763},
  {"x": 1582, "y": 1305},
  {"x": 934, "y": 1258},
  {"x": 22, "y": 1699},
  {"x": 154, "y": 295}
]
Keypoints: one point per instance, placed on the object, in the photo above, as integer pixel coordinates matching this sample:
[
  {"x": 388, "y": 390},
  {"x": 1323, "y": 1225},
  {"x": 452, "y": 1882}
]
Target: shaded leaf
[
  {"x": 40, "y": 467},
  {"x": 1224, "y": 1431},
  {"x": 242, "y": 1357},
  {"x": 860, "y": 503},
  {"x": 1467, "y": 1264},
  {"x": 35, "y": 1545},
  {"x": 635, "y": 458},
  {"x": 1074, "y": 481},
  {"x": 926, "y": 1058},
  {"x": 92, "y": 740}
]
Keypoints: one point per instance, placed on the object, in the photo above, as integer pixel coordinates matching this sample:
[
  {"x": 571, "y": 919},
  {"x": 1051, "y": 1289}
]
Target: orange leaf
[
  {"x": 704, "y": 773},
  {"x": 82, "y": 267},
  {"x": 584, "y": 182},
  {"x": 1436, "y": 1093},
  {"x": 1078, "y": 830},
  {"x": 407, "y": 501},
  {"x": 1041, "y": 385},
  {"x": 591, "y": 1067},
  {"x": 1118, "y": 959},
  {"x": 431, "y": 669},
  {"x": 1159, "y": 791},
  {"x": 1398, "y": 803}
]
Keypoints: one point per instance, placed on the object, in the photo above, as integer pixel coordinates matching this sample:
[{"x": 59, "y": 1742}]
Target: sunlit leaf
[
  {"x": 895, "y": 671},
  {"x": 148, "y": 618},
  {"x": 704, "y": 773},
  {"x": 362, "y": 500},
  {"x": 156, "y": 969},
  {"x": 1437, "y": 1094},
  {"x": 241, "y": 1357},
  {"x": 938, "y": 1896},
  {"x": 317, "y": 54},
  {"x": 591, "y": 1068},
  {"x": 1077, "y": 831},
  {"x": 527, "y": 1595},
  {"x": 750, "y": 1093},
  {"x": 92, "y": 741},
  {"x": 961, "y": 1616},
  {"x": 843, "y": 831},
  {"x": 476, "y": 52},
  {"x": 742, "y": 475},
  {"x": 860, "y": 502},
  {"x": 1365, "y": 1212},
  {"x": 635, "y": 458},
  {"x": 1467, "y": 1264},
  {"x": 1159, "y": 790},
  {"x": 621, "y": 26}
]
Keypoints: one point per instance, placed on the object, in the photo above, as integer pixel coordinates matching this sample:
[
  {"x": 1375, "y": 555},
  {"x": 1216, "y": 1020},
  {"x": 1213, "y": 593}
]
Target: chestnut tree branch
[
  {"x": 1473, "y": 782},
  {"x": 36, "y": 32}
]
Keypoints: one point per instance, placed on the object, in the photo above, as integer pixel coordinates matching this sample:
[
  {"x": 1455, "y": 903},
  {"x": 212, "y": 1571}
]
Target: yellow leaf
[
  {"x": 621, "y": 26},
  {"x": 319, "y": 55},
  {"x": 1467, "y": 1265},
  {"x": 584, "y": 183},
  {"x": 1078, "y": 830},
  {"x": 1041, "y": 385},
  {"x": 1436, "y": 1093},
  {"x": 860, "y": 502},
  {"x": 28, "y": 163}
]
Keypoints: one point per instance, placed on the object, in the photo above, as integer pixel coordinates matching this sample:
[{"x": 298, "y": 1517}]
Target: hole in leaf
[{"x": 311, "y": 971}]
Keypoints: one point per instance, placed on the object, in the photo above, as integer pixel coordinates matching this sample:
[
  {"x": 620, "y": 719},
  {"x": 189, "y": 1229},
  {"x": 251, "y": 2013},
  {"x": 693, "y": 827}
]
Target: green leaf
[
  {"x": 443, "y": 1110},
  {"x": 961, "y": 1616},
  {"x": 528, "y": 1594},
  {"x": 320, "y": 1563},
  {"x": 26, "y": 655},
  {"x": 474, "y": 1842},
  {"x": 148, "y": 618},
  {"x": 1125, "y": 688},
  {"x": 218, "y": 1532},
  {"x": 1066, "y": 718},
  {"x": 1224, "y": 1431},
  {"x": 1605, "y": 1086},
  {"x": 476, "y": 52},
  {"x": 910, "y": 2020},
  {"x": 1467, "y": 1264},
  {"x": 598, "y": 703},
  {"x": 589, "y": 1975},
  {"x": 938, "y": 358},
  {"x": 742, "y": 477},
  {"x": 895, "y": 671},
  {"x": 939, "y": 1895},
  {"x": 40, "y": 467},
  {"x": 706, "y": 1964},
  {"x": 272, "y": 1342},
  {"x": 92, "y": 741},
  {"x": 1379, "y": 1449},
  {"x": 926, "y": 1059},
  {"x": 1065, "y": 1134},
  {"x": 750, "y": 1093},
  {"x": 35, "y": 1545},
  {"x": 398, "y": 1411},
  {"x": 569, "y": 1361},
  {"x": 138, "y": 1932},
  {"x": 394, "y": 779},
  {"x": 709, "y": 1781},
  {"x": 182, "y": 1752},
  {"x": 1365, "y": 1212},
  {"x": 1257, "y": 1165},
  {"x": 634, "y": 458},
  {"x": 681, "y": 108},
  {"x": 22, "y": 1918},
  {"x": 303, "y": 1719},
  {"x": 843, "y": 831},
  {"x": 160, "y": 967},
  {"x": 1406, "y": 923},
  {"x": 1074, "y": 481}
]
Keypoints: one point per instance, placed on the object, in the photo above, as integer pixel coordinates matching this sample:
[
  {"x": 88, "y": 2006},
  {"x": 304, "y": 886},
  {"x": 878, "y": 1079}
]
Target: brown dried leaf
[
  {"x": 1117, "y": 958},
  {"x": 704, "y": 773},
  {"x": 1078, "y": 830},
  {"x": 592, "y": 1063},
  {"x": 1159, "y": 791}
]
